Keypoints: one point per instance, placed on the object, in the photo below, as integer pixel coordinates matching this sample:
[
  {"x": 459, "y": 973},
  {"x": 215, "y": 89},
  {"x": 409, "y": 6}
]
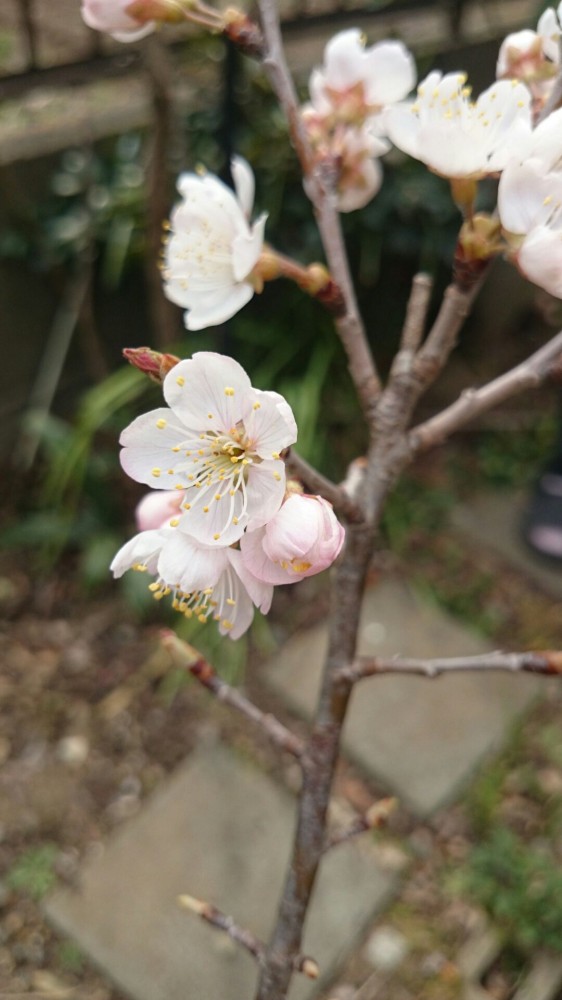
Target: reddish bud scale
[
  {"x": 245, "y": 33},
  {"x": 331, "y": 298},
  {"x": 152, "y": 363}
]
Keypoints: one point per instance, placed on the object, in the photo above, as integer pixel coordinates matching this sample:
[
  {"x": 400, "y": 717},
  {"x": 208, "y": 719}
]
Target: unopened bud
[
  {"x": 193, "y": 905},
  {"x": 244, "y": 32},
  {"x": 380, "y": 811},
  {"x": 152, "y": 363},
  {"x": 168, "y": 11}
]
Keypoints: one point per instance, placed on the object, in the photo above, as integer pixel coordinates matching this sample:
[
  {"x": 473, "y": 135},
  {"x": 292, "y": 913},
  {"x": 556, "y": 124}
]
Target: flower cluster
[
  {"x": 344, "y": 118},
  {"x": 224, "y": 528},
  {"x": 212, "y": 249}
]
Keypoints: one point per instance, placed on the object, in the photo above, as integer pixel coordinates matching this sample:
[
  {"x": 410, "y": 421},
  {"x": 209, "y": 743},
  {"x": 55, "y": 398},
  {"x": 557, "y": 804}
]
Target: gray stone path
[
  {"x": 422, "y": 738},
  {"x": 220, "y": 830},
  {"x": 494, "y": 519}
]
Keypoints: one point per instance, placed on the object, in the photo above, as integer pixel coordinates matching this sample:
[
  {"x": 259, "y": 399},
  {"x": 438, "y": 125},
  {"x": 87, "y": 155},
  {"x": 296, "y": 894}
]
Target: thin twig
[
  {"x": 373, "y": 819},
  {"x": 191, "y": 660},
  {"x": 416, "y": 312},
  {"x": 544, "y": 661},
  {"x": 473, "y": 402},
  {"x": 350, "y": 325},
  {"x": 318, "y": 484},
  {"x": 225, "y": 923}
]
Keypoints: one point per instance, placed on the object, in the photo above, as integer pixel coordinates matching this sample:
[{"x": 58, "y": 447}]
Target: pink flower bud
[
  {"x": 152, "y": 363},
  {"x": 303, "y": 538},
  {"x": 115, "y": 17},
  {"x": 157, "y": 508}
]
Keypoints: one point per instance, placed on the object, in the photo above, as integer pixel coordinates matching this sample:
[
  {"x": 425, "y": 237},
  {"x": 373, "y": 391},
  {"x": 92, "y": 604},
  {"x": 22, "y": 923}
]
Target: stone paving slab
[
  {"x": 221, "y": 830},
  {"x": 422, "y": 738},
  {"x": 494, "y": 519}
]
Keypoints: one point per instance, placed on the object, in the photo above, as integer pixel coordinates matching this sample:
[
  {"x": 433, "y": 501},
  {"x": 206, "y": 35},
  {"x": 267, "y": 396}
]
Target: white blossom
[
  {"x": 530, "y": 210},
  {"x": 220, "y": 440},
  {"x": 203, "y": 583},
  {"x": 459, "y": 138},
  {"x": 356, "y": 82},
  {"x": 212, "y": 248}
]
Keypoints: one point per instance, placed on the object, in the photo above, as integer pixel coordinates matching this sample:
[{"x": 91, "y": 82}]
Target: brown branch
[
  {"x": 373, "y": 819},
  {"x": 473, "y": 402},
  {"x": 350, "y": 326},
  {"x": 544, "y": 661},
  {"x": 313, "y": 480},
  {"x": 416, "y": 312},
  {"x": 223, "y": 922},
  {"x": 190, "y": 659}
]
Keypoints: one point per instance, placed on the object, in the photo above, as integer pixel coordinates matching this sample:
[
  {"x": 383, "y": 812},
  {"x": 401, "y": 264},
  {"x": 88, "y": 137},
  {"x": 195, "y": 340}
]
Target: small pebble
[{"x": 386, "y": 948}]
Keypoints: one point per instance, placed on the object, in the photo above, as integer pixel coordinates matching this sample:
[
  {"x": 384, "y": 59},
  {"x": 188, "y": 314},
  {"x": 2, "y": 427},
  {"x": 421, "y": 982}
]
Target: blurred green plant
[
  {"x": 519, "y": 886},
  {"x": 33, "y": 871}
]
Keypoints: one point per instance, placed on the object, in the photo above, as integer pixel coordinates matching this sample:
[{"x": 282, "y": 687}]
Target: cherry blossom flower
[
  {"x": 530, "y": 210},
  {"x": 456, "y": 137},
  {"x": 354, "y": 152},
  {"x": 204, "y": 583},
  {"x": 302, "y": 539},
  {"x": 356, "y": 82},
  {"x": 111, "y": 16},
  {"x": 212, "y": 248},
  {"x": 220, "y": 440}
]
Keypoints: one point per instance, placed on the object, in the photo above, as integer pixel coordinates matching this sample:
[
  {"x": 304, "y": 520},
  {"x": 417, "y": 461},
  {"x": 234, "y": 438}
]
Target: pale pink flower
[
  {"x": 302, "y": 539},
  {"x": 356, "y": 82},
  {"x": 212, "y": 248},
  {"x": 521, "y": 56},
  {"x": 219, "y": 440},
  {"x": 530, "y": 210},
  {"x": 456, "y": 137},
  {"x": 111, "y": 16},
  {"x": 204, "y": 583},
  {"x": 354, "y": 154}
]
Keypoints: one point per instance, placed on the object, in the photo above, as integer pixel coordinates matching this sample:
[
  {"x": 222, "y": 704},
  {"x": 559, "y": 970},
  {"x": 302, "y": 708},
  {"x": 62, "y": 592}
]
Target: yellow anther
[
  {"x": 256, "y": 406},
  {"x": 235, "y": 520},
  {"x": 205, "y": 510},
  {"x": 156, "y": 472},
  {"x": 179, "y": 486},
  {"x": 202, "y": 618},
  {"x": 228, "y": 390},
  {"x": 226, "y": 624},
  {"x": 180, "y": 380},
  {"x": 201, "y": 451},
  {"x": 232, "y": 492},
  {"x": 230, "y": 601},
  {"x": 176, "y": 448},
  {"x": 187, "y": 506},
  {"x": 161, "y": 423},
  {"x": 276, "y": 476},
  {"x": 275, "y": 454},
  {"x": 209, "y": 416},
  {"x": 218, "y": 496},
  {"x": 171, "y": 472},
  {"x": 174, "y": 522},
  {"x": 216, "y": 536}
]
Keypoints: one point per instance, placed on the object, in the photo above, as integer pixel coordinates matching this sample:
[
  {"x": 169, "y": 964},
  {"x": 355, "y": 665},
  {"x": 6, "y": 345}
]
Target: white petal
[
  {"x": 211, "y": 309},
  {"x": 261, "y": 593},
  {"x": 391, "y": 73},
  {"x": 149, "y": 448},
  {"x": 185, "y": 564},
  {"x": 270, "y": 425},
  {"x": 142, "y": 550},
  {"x": 342, "y": 59},
  {"x": 246, "y": 249},
  {"x": 266, "y": 489},
  {"x": 244, "y": 184},
  {"x": 540, "y": 259},
  {"x": 215, "y": 523},
  {"x": 201, "y": 386}
]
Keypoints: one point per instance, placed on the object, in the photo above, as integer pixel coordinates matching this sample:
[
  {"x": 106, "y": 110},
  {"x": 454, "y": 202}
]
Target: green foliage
[
  {"x": 413, "y": 509},
  {"x": 70, "y": 957},
  {"x": 520, "y": 888},
  {"x": 33, "y": 871},
  {"x": 510, "y": 459}
]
